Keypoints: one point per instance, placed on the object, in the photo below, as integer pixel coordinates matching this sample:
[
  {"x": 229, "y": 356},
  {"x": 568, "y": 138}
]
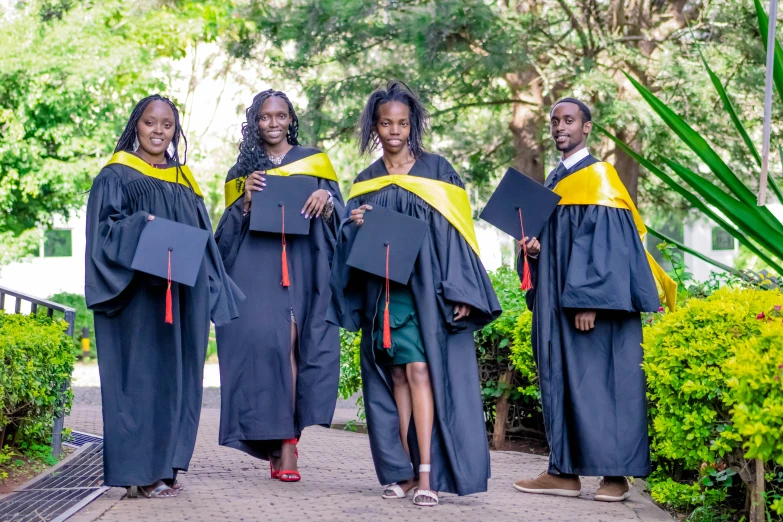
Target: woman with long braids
[
  {"x": 151, "y": 334},
  {"x": 280, "y": 361},
  {"x": 421, "y": 389}
]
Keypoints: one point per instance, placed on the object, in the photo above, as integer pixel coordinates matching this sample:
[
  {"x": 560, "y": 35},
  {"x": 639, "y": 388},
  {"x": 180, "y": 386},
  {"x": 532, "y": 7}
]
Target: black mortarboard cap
[
  {"x": 289, "y": 193},
  {"x": 186, "y": 244},
  {"x": 517, "y": 192},
  {"x": 382, "y": 228}
]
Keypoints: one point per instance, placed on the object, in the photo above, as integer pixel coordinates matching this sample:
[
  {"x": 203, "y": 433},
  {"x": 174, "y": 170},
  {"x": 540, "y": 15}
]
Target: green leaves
[
  {"x": 696, "y": 143},
  {"x": 504, "y": 344},
  {"x": 36, "y": 361},
  {"x": 777, "y": 69},
  {"x": 756, "y": 392},
  {"x": 686, "y": 360},
  {"x": 753, "y": 226},
  {"x": 67, "y": 86},
  {"x": 729, "y": 107},
  {"x": 719, "y": 207}
]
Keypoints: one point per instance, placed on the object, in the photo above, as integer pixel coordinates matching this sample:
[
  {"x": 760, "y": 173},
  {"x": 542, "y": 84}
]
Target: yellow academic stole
[
  {"x": 450, "y": 200},
  {"x": 184, "y": 177},
  {"x": 317, "y": 165},
  {"x": 599, "y": 184}
]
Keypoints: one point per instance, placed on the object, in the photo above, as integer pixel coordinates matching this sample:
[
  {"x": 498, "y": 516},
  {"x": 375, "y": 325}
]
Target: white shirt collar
[{"x": 575, "y": 158}]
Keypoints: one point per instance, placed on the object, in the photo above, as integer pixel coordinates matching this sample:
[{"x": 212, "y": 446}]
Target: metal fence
[{"x": 69, "y": 316}]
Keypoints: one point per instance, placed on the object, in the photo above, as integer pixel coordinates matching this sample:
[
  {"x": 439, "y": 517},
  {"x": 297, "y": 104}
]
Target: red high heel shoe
[
  {"x": 273, "y": 473},
  {"x": 290, "y": 475}
]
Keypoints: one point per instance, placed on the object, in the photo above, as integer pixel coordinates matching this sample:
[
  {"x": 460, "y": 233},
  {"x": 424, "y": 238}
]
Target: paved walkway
[{"x": 338, "y": 484}]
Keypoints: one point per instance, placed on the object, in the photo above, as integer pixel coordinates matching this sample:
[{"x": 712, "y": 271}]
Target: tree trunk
[
  {"x": 501, "y": 410},
  {"x": 529, "y": 153},
  {"x": 757, "y": 507},
  {"x": 526, "y": 123},
  {"x": 626, "y": 166}
]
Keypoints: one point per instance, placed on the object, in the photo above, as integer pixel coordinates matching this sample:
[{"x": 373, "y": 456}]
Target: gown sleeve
[
  {"x": 224, "y": 294},
  {"x": 608, "y": 267},
  {"x": 345, "y": 282},
  {"x": 464, "y": 279},
  {"x": 231, "y": 229},
  {"x": 332, "y": 224},
  {"x": 112, "y": 236}
]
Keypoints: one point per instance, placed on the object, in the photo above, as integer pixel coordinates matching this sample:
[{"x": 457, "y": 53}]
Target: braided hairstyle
[
  {"x": 125, "y": 143},
  {"x": 368, "y": 122},
  {"x": 252, "y": 152}
]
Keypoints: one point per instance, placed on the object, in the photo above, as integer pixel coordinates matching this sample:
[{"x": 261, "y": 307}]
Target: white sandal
[
  {"x": 428, "y": 497},
  {"x": 396, "y": 491}
]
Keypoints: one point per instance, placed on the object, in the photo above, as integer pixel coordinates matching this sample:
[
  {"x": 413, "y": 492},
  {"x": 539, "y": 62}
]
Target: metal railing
[{"x": 70, "y": 317}]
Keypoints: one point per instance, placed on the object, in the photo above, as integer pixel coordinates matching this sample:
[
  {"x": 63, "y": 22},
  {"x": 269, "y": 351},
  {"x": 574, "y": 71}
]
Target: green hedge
[
  {"x": 84, "y": 318},
  {"x": 713, "y": 373},
  {"x": 506, "y": 365},
  {"x": 37, "y": 363}
]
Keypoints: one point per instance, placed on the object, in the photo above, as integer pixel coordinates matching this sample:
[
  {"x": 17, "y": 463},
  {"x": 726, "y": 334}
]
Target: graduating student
[
  {"x": 280, "y": 361},
  {"x": 591, "y": 281},
  {"x": 419, "y": 371},
  {"x": 151, "y": 333}
]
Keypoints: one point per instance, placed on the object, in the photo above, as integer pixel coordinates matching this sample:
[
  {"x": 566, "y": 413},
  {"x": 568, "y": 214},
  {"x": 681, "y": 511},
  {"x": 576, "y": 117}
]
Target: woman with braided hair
[
  {"x": 150, "y": 367},
  {"x": 280, "y": 362}
]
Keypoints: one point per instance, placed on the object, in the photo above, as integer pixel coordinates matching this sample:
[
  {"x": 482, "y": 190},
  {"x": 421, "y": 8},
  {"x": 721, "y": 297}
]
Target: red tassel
[
  {"x": 286, "y": 281},
  {"x": 386, "y": 326},
  {"x": 527, "y": 283},
  {"x": 169, "y": 311}
]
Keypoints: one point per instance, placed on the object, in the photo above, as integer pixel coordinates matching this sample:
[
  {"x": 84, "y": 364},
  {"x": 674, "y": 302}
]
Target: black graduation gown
[
  {"x": 592, "y": 384},
  {"x": 446, "y": 272},
  {"x": 254, "y": 351},
  {"x": 151, "y": 372}
]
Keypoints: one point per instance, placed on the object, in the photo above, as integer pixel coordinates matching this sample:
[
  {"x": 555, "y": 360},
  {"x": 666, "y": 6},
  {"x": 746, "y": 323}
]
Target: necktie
[{"x": 556, "y": 176}]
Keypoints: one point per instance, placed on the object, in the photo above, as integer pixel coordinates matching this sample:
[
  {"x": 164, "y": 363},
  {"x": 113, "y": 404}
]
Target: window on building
[
  {"x": 673, "y": 230},
  {"x": 58, "y": 243},
  {"x": 722, "y": 240}
]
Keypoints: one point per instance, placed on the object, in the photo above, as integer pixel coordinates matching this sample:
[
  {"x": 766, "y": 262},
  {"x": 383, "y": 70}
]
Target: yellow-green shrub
[
  {"x": 522, "y": 356},
  {"x": 504, "y": 345},
  {"x": 36, "y": 362},
  {"x": 756, "y": 393},
  {"x": 685, "y": 359},
  {"x": 683, "y": 496}
]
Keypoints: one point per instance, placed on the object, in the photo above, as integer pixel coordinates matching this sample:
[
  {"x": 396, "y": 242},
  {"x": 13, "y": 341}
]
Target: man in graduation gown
[
  {"x": 447, "y": 272},
  {"x": 591, "y": 281}
]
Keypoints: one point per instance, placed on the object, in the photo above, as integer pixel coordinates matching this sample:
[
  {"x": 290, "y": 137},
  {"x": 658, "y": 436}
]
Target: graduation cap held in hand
[
  {"x": 172, "y": 251},
  {"x": 277, "y": 209},
  {"x": 387, "y": 245},
  {"x": 520, "y": 207}
]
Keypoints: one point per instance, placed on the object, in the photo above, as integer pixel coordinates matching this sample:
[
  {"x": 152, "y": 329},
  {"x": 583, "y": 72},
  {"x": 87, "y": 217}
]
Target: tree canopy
[{"x": 70, "y": 71}]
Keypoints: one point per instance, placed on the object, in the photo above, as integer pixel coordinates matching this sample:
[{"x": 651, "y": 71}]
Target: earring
[
  {"x": 136, "y": 143},
  {"x": 171, "y": 150}
]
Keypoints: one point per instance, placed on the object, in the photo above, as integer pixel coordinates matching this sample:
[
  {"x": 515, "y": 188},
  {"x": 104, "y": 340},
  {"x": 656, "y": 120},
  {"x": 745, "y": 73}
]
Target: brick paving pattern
[{"x": 338, "y": 484}]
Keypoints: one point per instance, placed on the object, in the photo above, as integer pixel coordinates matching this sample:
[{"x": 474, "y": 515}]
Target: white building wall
[
  {"x": 44, "y": 276},
  {"x": 698, "y": 236}
]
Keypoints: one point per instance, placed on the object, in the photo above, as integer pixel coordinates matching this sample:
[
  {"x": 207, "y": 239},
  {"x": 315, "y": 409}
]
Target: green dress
[{"x": 407, "y": 346}]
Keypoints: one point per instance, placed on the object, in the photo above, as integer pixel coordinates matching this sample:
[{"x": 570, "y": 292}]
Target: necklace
[{"x": 276, "y": 160}]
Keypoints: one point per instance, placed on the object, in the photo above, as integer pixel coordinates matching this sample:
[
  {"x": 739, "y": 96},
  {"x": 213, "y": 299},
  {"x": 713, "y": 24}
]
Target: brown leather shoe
[
  {"x": 546, "y": 484},
  {"x": 613, "y": 489}
]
